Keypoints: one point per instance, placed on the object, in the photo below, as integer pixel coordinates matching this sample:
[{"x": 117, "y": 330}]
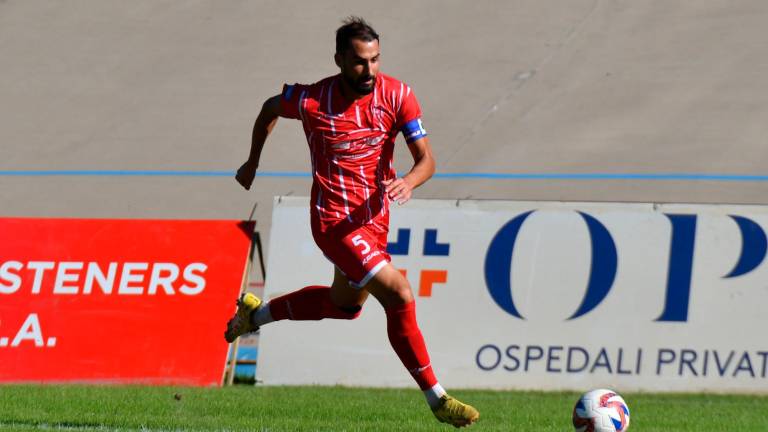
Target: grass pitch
[{"x": 245, "y": 408}]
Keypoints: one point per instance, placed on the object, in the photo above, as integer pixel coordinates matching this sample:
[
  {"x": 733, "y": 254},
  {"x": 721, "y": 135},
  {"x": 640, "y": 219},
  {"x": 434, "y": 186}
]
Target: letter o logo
[
  {"x": 496, "y": 356},
  {"x": 498, "y": 265}
]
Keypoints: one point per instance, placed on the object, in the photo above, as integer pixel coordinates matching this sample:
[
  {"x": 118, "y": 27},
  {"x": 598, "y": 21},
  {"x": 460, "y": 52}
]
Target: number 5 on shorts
[{"x": 358, "y": 240}]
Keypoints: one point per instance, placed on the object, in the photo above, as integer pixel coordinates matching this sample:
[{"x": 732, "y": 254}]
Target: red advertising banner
[{"x": 118, "y": 301}]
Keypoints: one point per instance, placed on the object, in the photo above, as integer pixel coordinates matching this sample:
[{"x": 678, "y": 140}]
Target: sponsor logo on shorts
[{"x": 371, "y": 256}]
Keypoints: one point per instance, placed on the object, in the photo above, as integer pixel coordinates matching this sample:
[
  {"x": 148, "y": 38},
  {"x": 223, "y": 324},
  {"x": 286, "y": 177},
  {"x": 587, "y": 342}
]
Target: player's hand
[
  {"x": 398, "y": 190},
  {"x": 245, "y": 175}
]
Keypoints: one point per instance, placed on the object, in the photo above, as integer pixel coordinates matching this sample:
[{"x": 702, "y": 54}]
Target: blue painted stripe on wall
[{"x": 443, "y": 175}]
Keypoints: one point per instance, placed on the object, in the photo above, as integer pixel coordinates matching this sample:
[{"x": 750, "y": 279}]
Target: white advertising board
[{"x": 543, "y": 295}]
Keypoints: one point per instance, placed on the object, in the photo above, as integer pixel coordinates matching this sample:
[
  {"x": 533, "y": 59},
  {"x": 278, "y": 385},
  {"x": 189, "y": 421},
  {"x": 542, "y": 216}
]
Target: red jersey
[{"x": 351, "y": 144}]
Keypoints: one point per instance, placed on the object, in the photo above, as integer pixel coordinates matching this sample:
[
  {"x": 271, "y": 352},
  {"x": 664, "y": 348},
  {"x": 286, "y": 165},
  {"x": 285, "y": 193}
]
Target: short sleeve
[
  {"x": 291, "y": 100},
  {"x": 409, "y": 118}
]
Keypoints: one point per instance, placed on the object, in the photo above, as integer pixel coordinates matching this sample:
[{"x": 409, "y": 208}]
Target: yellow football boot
[
  {"x": 454, "y": 412},
  {"x": 240, "y": 323}
]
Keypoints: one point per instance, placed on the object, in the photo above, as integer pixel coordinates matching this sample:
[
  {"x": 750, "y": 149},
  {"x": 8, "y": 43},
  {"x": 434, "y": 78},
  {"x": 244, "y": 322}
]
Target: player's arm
[
  {"x": 401, "y": 189},
  {"x": 266, "y": 120}
]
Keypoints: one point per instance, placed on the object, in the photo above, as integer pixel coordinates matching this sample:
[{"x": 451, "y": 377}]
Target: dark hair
[{"x": 354, "y": 28}]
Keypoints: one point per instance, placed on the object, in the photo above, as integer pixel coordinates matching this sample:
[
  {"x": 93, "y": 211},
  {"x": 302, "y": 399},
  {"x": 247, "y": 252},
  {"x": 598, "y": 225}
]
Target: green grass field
[{"x": 246, "y": 408}]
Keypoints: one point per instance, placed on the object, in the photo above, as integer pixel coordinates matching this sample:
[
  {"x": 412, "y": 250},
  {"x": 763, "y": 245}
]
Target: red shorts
[{"x": 358, "y": 251}]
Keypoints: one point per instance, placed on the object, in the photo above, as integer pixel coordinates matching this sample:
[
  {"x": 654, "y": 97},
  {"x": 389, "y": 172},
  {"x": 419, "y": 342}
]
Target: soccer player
[{"x": 351, "y": 121}]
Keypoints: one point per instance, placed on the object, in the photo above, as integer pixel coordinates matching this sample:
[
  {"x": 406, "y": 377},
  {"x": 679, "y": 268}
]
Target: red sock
[
  {"x": 406, "y": 339},
  {"x": 309, "y": 303}
]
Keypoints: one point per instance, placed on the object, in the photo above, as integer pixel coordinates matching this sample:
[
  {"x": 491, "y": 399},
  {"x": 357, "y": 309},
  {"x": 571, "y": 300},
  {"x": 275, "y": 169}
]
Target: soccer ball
[{"x": 601, "y": 411}]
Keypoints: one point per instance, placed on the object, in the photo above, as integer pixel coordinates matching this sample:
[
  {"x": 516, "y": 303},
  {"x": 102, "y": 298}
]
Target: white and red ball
[{"x": 601, "y": 410}]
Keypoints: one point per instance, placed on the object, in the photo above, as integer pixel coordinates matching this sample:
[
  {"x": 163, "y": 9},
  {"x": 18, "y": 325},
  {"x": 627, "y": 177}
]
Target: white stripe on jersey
[
  {"x": 330, "y": 95},
  {"x": 301, "y": 104},
  {"x": 400, "y": 98},
  {"x": 408, "y": 93},
  {"x": 374, "y": 112},
  {"x": 330, "y": 182},
  {"x": 343, "y": 191},
  {"x": 312, "y": 151},
  {"x": 353, "y": 185},
  {"x": 357, "y": 113},
  {"x": 319, "y": 203},
  {"x": 383, "y": 192},
  {"x": 367, "y": 195},
  {"x": 383, "y": 95}
]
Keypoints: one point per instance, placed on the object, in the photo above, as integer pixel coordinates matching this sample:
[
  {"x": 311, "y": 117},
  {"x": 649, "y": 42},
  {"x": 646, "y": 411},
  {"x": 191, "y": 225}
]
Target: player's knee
[
  {"x": 351, "y": 312},
  {"x": 403, "y": 293}
]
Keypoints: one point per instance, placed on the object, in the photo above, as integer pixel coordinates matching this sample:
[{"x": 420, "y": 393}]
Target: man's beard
[{"x": 358, "y": 84}]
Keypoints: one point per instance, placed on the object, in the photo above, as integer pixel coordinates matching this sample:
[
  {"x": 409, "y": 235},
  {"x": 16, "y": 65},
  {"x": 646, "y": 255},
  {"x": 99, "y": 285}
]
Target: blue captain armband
[
  {"x": 288, "y": 92},
  {"x": 413, "y": 130}
]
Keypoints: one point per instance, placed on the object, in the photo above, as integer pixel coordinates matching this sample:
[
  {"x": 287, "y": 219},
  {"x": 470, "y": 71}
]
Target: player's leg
[
  {"x": 339, "y": 301},
  {"x": 316, "y": 302},
  {"x": 344, "y": 295},
  {"x": 394, "y": 293}
]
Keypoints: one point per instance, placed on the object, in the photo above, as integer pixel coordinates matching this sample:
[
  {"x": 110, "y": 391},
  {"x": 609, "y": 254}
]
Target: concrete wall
[{"x": 577, "y": 86}]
